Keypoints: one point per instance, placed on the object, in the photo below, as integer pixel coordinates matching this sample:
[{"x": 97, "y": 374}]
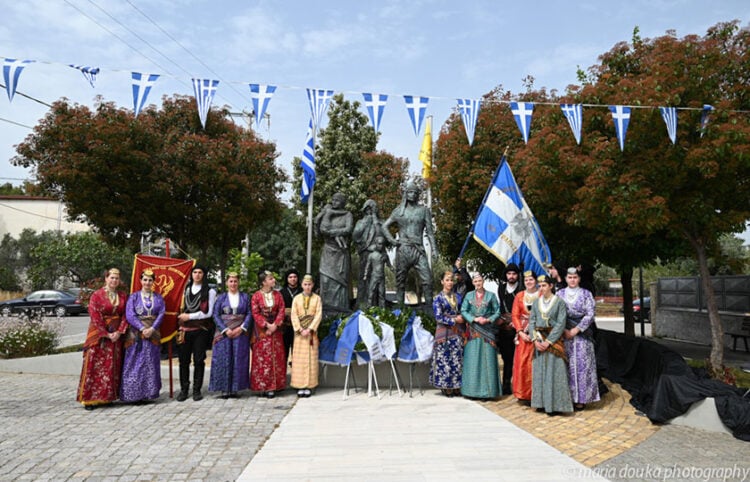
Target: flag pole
[
  {"x": 308, "y": 263},
  {"x": 487, "y": 193}
]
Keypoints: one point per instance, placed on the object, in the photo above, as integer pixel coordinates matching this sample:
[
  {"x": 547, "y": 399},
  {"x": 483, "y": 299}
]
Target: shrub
[{"x": 21, "y": 337}]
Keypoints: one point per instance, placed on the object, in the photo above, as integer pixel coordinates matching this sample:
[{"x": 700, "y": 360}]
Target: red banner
[{"x": 170, "y": 277}]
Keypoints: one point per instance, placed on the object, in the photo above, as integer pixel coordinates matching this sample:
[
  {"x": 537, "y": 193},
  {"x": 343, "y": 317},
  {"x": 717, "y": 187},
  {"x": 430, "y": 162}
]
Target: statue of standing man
[
  {"x": 334, "y": 223},
  {"x": 413, "y": 221},
  {"x": 366, "y": 231}
]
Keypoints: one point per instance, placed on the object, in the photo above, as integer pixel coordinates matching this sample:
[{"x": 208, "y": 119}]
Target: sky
[{"x": 440, "y": 49}]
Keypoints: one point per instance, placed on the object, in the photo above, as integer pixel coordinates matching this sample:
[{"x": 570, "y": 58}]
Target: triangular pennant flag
[
  {"x": 574, "y": 114},
  {"x": 522, "y": 112},
  {"x": 308, "y": 165},
  {"x": 416, "y": 108},
  {"x": 707, "y": 108},
  {"x": 261, "y": 95},
  {"x": 669, "y": 114},
  {"x": 319, "y": 99},
  {"x": 142, "y": 84},
  {"x": 375, "y": 105},
  {"x": 621, "y": 116},
  {"x": 89, "y": 73},
  {"x": 204, "y": 95},
  {"x": 469, "y": 109},
  {"x": 11, "y": 72}
]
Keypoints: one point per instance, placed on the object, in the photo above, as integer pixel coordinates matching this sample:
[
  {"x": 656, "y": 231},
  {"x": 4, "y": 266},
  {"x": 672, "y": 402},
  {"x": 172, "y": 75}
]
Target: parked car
[
  {"x": 59, "y": 303},
  {"x": 646, "y": 309}
]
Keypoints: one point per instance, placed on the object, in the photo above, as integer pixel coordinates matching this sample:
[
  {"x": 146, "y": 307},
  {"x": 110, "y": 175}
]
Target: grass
[{"x": 742, "y": 378}]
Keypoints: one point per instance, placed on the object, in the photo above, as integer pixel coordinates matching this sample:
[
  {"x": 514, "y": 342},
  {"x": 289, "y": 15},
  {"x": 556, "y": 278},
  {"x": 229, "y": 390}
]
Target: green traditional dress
[
  {"x": 480, "y": 378},
  {"x": 549, "y": 387}
]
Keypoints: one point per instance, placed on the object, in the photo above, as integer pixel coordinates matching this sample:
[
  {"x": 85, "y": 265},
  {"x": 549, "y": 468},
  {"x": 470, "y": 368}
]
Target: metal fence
[{"x": 732, "y": 293}]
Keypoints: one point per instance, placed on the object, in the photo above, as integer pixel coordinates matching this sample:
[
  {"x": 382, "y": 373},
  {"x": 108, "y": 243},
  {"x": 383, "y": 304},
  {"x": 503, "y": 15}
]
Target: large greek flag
[
  {"x": 308, "y": 165},
  {"x": 506, "y": 227},
  {"x": 142, "y": 84},
  {"x": 12, "y": 69},
  {"x": 205, "y": 89}
]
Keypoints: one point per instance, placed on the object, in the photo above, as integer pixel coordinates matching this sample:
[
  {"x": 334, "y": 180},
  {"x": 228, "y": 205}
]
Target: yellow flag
[{"x": 425, "y": 153}]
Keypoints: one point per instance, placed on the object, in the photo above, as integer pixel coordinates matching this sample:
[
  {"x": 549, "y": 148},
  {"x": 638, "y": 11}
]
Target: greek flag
[
  {"x": 522, "y": 112},
  {"x": 11, "y": 72},
  {"x": 204, "y": 95},
  {"x": 327, "y": 348},
  {"x": 574, "y": 114},
  {"x": 319, "y": 100},
  {"x": 621, "y": 116},
  {"x": 261, "y": 96},
  {"x": 89, "y": 73},
  {"x": 375, "y": 105},
  {"x": 669, "y": 114},
  {"x": 308, "y": 165},
  {"x": 142, "y": 84},
  {"x": 469, "y": 109},
  {"x": 707, "y": 108},
  {"x": 506, "y": 227},
  {"x": 416, "y": 108}
]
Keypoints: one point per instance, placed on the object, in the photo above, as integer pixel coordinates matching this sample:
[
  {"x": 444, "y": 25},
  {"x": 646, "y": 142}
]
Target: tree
[
  {"x": 9, "y": 280},
  {"x": 281, "y": 242},
  {"x": 161, "y": 173},
  {"x": 9, "y": 189}
]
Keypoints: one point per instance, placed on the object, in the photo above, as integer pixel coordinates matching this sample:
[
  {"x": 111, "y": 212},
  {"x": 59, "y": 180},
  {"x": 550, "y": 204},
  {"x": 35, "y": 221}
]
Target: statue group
[{"x": 371, "y": 236}]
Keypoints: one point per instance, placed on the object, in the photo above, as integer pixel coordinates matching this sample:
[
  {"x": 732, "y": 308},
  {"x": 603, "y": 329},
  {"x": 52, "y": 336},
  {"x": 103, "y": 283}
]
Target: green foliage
[
  {"x": 282, "y": 242},
  {"x": 9, "y": 189},
  {"x": 21, "y": 338},
  {"x": 9, "y": 280},
  {"x": 247, "y": 266}
]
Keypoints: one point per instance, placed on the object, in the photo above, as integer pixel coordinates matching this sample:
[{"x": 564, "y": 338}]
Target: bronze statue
[
  {"x": 334, "y": 223},
  {"x": 366, "y": 231}
]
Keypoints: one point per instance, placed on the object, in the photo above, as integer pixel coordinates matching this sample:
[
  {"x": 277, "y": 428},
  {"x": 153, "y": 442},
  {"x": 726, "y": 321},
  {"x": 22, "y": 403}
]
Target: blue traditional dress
[
  {"x": 141, "y": 369},
  {"x": 549, "y": 378},
  {"x": 230, "y": 357},
  {"x": 448, "y": 349},
  {"x": 584, "y": 387},
  {"x": 480, "y": 378}
]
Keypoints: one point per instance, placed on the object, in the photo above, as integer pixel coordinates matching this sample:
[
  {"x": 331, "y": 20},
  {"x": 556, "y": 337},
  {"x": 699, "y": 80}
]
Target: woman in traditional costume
[
  {"x": 524, "y": 344},
  {"x": 579, "y": 340},
  {"x": 268, "y": 369},
  {"x": 141, "y": 370},
  {"x": 230, "y": 355},
  {"x": 480, "y": 309},
  {"x": 307, "y": 312},
  {"x": 448, "y": 348},
  {"x": 549, "y": 378},
  {"x": 102, "y": 350}
]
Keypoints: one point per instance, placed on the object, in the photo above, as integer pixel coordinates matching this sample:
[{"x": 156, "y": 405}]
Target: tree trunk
[
  {"x": 716, "y": 359},
  {"x": 626, "y": 278}
]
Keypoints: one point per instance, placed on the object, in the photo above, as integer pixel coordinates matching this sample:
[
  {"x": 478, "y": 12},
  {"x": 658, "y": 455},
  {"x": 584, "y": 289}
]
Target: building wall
[{"x": 40, "y": 214}]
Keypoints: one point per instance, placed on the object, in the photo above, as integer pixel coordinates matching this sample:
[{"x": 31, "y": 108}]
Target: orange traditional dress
[
  {"x": 102, "y": 358},
  {"x": 524, "y": 349}
]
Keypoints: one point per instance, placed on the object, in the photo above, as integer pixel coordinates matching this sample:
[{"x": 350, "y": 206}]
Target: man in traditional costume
[
  {"x": 524, "y": 355},
  {"x": 480, "y": 309},
  {"x": 549, "y": 378},
  {"x": 230, "y": 355},
  {"x": 268, "y": 368},
  {"x": 194, "y": 332},
  {"x": 579, "y": 340},
  {"x": 102, "y": 350},
  {"x": 141, "y": 371},
  {"x": 291, "y": 289},
  {"x": 307, "y": 312},
  {"x": 506, "y": 333}
]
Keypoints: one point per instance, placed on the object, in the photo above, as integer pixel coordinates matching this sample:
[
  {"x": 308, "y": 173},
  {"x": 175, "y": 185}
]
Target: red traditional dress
[
  {"x": 524, "y": 350},
  {"x": 102, "y": 358},
  {"x": 268, "y": 368}
]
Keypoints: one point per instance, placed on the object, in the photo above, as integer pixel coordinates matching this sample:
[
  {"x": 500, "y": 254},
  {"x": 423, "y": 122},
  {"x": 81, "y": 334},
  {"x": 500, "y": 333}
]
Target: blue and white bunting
[
  {"x": 319, "y": 99},
  {"x": 89, "y": 73},
  {"x": 506, "y": 227},
  {"x": 261, "y": 95},
  {"x": 205, "y": 89},
  {"x": 469, "y": 109},
  {"x": 707, "y": 109},
  {"x": 522, "y": 112},
  {"x": 308, "y": 165},
  {"x": 669, "y": 114},
  {"x": 375, "y": 105},
  {"x": 621, "y": 117},
  {"x": 142, "y": 84},
  {"x": 12, "y": 69},
  {"x": 416, "y": 108},
  {"x": 574, "y": 114}
]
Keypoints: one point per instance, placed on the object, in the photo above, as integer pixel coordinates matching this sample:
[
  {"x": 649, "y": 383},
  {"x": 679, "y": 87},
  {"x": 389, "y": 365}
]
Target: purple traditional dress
[
  {"x": 580, "y": 304},
  {"x": 230, "y": 357},
  {"x": 141, "y": 370},
  {"x": 448, "y": 350}
]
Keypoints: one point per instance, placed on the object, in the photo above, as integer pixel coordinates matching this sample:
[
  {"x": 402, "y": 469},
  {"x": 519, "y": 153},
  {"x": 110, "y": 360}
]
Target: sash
[
  {"x": 132, "y": 335},
  {"x": 259, "y": 334},
  {"x": 112, "y": 322},
  {"x": 488, "y": 332},
  {"x": 573, "y": 321},
  {"x": 231, "y": 321},
  {"x": 557, "y": 348}
]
